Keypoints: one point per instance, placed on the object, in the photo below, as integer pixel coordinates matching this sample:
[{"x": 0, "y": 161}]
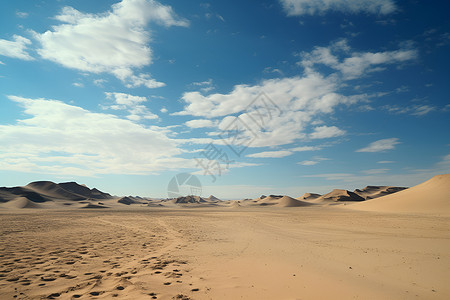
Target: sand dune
[
  {"x": 8, "y": 194},
  {"x": 372, "y": 191},
  {"x": 53, "y": 191},
  {"x": 432, "y": 196},
  {"x": 47, "y": 194},
  {"x": 338, "y": 195},
  {"x": 21, "y": 202},
  {"x": 274, "y": 200},
  {"x": 129, "y": 201},
  {"x": 309, "y": 196},
  {"x": 287, "y": 201}
]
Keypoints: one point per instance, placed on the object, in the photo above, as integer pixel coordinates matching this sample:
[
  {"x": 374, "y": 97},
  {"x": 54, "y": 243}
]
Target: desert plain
[{"x": 396, "y": 246}]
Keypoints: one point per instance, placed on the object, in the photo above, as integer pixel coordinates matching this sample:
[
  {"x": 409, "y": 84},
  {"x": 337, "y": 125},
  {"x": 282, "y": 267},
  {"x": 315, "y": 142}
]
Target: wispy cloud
[
  {"x": 353, "y": 64},
  {"x": 22, "y": 14},
  {"x": 283, "y": 153},
  {"x": 415, "y": 110},
  {"x": 271, "y": 154},
  {"x": 374, "y": 171},
  {"x": 314, "y": 161},
  {"x": 17, "y": 48},
  {"x": 313, "y": 7},
  {"x": 132, "y": 104},
  {"x": 380, "y": 145}
]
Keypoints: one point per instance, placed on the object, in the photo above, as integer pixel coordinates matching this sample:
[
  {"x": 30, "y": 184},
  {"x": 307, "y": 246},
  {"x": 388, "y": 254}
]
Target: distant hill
[{"x": 46, "y": 191}]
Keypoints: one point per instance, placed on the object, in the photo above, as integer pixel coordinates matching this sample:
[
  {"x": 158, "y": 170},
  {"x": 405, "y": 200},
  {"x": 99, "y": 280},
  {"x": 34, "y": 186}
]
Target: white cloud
[
  {"x": 278, "y": 111},
  {"x": 163, "y": 110},
  {"x": 339, "y": 57},
  {"x": 385, "y": 162},
  {"x": 314, "y": 161},
  {"x": 271, "y": 154},
  {"x": 58, "y": 138},
  {"x": 16, "y": 48},
  {"x": 323, "y": 132},
  {"x": 133, "y": 104},
  {"x": 283, "y": 153},
  {"x": 22, "y": 14},
  {"x": 114, "y": 42},
  {"x": 308, "y": 163},
  {"x": 374, "y": 171},
  {"x": 200, "y": 123},
  {"x": 306, "y": 148},
  {"x": 78, "y": 84},
  {"x": 298, "y": 101},
  {"x": 415, "y": 110},
  {"x": 380, "y": 145},
  {"x": 312, "y": 7},
  {"x": 205, "y": 86},
  {"x": 99, "y": 82}
]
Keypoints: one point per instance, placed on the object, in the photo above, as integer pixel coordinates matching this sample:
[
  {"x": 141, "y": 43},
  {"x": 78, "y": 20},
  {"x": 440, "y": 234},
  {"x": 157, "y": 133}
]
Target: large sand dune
[{"x": 432, "y": 196}]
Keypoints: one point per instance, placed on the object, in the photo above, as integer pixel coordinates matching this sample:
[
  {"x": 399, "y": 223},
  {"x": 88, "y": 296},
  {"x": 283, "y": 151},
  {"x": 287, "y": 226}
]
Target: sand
[
  {"x": 432, "y": 196},
  {"x": 221, "y": 253},
  {"x": 66, "y": 241}
]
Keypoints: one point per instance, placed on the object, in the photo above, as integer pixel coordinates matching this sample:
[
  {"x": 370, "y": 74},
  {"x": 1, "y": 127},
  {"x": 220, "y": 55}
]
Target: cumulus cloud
[
  {"x": 59, "y": 138},
  {"x": 323, "y": 132},
  {"x": 251, "y": 108},
  {"x": 278, "y": 111},
  {"x": 313, "y": 7},
  {"x": 133, "y": 104},
  {"x": 380, "y": 145},
  {"x": 200, "y": 123},
  {"x": 17, "y": 48},
  {"x": 114, "y": 42}
]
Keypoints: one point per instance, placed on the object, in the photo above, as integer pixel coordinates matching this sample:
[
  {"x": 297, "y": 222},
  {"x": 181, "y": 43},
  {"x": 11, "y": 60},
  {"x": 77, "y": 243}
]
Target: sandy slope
[
  {"x": 432, "y": 196},
  {"x": 222, "y": 253}
]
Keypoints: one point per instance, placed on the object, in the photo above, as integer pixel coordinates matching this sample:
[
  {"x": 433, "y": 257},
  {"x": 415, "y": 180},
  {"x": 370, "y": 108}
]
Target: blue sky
[{"x": 123, "y": 95}]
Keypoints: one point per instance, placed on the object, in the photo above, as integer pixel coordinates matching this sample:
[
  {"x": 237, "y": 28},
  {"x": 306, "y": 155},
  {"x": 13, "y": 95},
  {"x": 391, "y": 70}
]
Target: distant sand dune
[
  {"x": 21, "y": 202},
  {"x": 338, "y": 195},
  {"x": 309, "y": 196}
]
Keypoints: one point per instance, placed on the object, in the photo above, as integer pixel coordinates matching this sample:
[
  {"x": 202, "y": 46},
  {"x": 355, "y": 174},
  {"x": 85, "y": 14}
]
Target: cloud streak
[
  {"x": 380, "y": 145},
  {"x": 314, "y": 7}
]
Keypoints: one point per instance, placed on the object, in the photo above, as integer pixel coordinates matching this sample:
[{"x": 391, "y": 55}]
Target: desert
[
  {"x": 224, "y": 150},
  {"x": 272, "y": 247}
]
